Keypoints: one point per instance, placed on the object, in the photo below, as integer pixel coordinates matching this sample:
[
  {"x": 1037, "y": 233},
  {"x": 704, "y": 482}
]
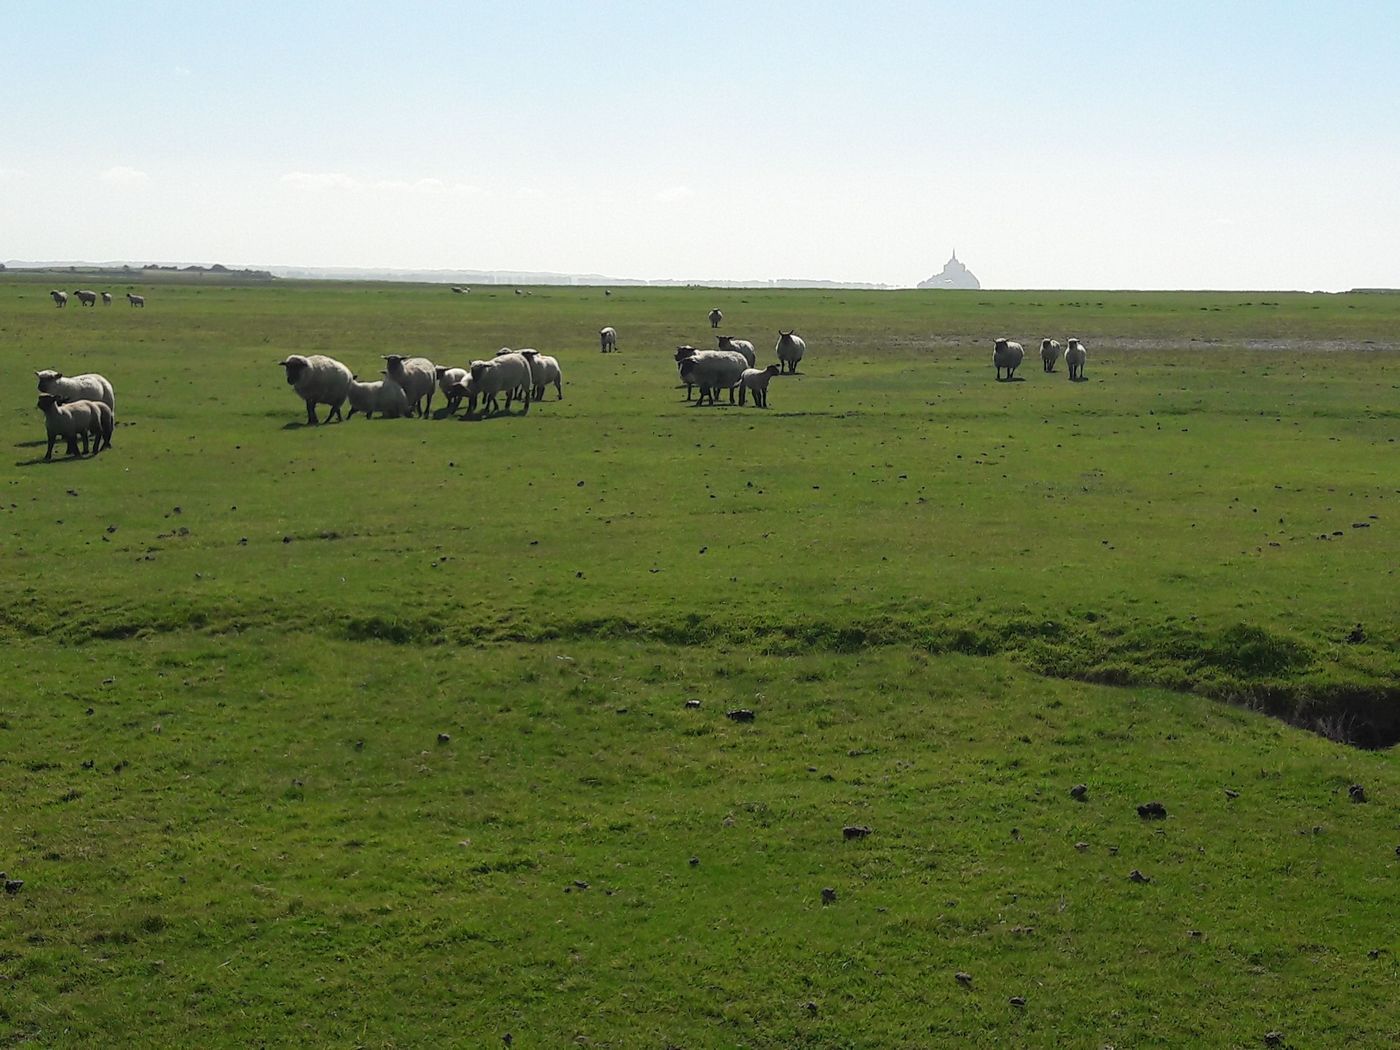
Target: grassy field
[{"x": 238, "y": 639}]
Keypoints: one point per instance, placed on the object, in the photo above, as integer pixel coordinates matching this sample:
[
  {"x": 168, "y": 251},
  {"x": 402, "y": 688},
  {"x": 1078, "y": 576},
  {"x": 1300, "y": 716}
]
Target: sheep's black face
[
  {"x": 46, "y": 402},
  {"x": 477, "y": 369},
  {"x": 294, "y": 371}
]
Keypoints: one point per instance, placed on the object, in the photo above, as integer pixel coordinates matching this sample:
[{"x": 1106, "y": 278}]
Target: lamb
[
  {"x": 383, "y": 396},
  {"x": 684, "y": 354},
  {"x": 504, "y": 374},
  {"x": 1049, "y": 353},
  {"x": 86, "y": 298},
  {"x": 543, "y": 371},
  {"x": 136, "y": 300},
  {"x": 106, "y": 298},
  {"x": 790, "y": 350},
  {"x": 87, "y": 387},
  {"x": 318, "y": 380},
  {"x": 607, "y": 340},
  {"x": 713, "y": 371},
  {"x": 757, "y": 379},
  {"x": 59, "y": 298},
  {"x": 715, "y": 317},
  {"x": 1074, "y": 357},
  {"x": 417, "y": 376},
  {"x": 738, "y": 346},
  {"x": 1007, "y": 355},
  {"x": 73, "y": 420},
  {"x": 447, "y": 378}
]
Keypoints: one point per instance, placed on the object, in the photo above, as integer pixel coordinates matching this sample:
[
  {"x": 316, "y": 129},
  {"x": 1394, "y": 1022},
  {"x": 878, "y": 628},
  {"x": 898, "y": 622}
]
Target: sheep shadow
[
  {"x": 40, "y": 461},
  {"x": 31, "y": 444},
  {"x": 1078, "y": 379},
  {"x": 1012, "y": 379},
  {"x": 489, "y": 417}
]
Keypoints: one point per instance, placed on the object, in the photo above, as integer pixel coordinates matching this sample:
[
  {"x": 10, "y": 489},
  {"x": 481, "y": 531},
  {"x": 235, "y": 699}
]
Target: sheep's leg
[
  {"x": 559, "y": 388},
  {"x": 311, "y": 419},
  {"x": 741, "y": 396},
  {"x": 335, "y": 412},
  {"x": 49, "y": 454}
]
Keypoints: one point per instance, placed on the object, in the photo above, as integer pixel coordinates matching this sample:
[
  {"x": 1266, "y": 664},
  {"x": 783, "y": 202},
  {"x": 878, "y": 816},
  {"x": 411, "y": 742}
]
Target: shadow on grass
[{"x": 39, "y": 461}]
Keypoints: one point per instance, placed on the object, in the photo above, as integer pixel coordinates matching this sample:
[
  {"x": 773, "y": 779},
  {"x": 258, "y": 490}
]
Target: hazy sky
[{"x": 1102, "y": 145}]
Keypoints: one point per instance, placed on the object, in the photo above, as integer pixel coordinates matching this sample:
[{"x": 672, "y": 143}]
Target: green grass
[{"x": 911, "y": 573}]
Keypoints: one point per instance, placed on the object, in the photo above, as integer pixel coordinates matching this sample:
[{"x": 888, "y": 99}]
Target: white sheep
[
  {"x": 1075, "y": 355},
  {"x": 607, "y": 339},
  {"x": 1007, "y": 355},
  {"x": 136, "y": 300},
  {"x": 106, "y": 298},
  {"x": 715, "y": 317},
  {"x": 76, "y": 419},
  {"x": 417, "y": 376},
  {"x": 713, "y": 371},
  {"x": 505, "y": 374},
  {"x": 87, "y": 387},
  {"x": 790, "y": 349},
  {"x": 59, "y": 298},
  {"x": 85, "y": 297},
  {"x": 447, "y": 378},
  {"x": 1049, "y": 353},
  {"x": 739, "y": 346},
  {"x": 543, "y": 371},
  {"x": 383, "y": 396},
  {"x": 757, "y": 379},
  {"x": 318, "y": 380}
]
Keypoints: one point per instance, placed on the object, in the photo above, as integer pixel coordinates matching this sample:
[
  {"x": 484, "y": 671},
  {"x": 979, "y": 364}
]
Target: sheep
[
  {"x": 86, "y": 387},
  {"x": 383, "y": 396},
  {"x": 738, "y": 346},
  {"x": 713, "y": 371},
  {"x": 716, "y": 317},
  {"x": 607, "y": 340},
  {"x": 85, "y": 297},
  {"x": 59, "y": 298},
  {"x": 73, "y": 420},
  {"x": 318, "y": 380},
  {"x": 1074, "y": 357},
  {"x": 136, "y": 300},
  {"x": 684, "y": 354},
  {"x": 106, "y": 298},
  {"x": 1007, "y": 355},
  {"x": 757, "y": 379},
  {"x": 543, "y": 371},
  {"x": 505, "y": 374},
  {"x": 1049, "y": 353},
  {"x": 417, "y": 376},
  {"x": 457, "y": 290},
  {"x": 790, "y": 349},
  {"x": 447, "y": 378}
]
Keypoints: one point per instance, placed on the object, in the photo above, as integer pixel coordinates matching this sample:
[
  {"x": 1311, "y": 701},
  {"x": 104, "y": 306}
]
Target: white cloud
[
  {"x": 674, "y": 194},
  {"x": 322, "y": 180},
  {"x": 121, "y": 175}
]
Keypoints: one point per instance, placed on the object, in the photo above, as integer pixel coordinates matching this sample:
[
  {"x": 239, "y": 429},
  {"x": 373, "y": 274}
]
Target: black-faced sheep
[
  {"x": 78, "y": 419},
  {"x": 86, "y": 387},
  {"x": 318, "y": 380},
  {"x": 790, "y": 348},
  {"x": 1007, "y": 355},
  {"x": 757, "y": 379}
]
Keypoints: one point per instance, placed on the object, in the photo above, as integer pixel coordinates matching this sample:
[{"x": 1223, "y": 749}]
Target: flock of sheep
[
  {"x": 88, "y": 298},
  {"x": 1008, "y": 355},
  {"x": 83, "y": 407}
]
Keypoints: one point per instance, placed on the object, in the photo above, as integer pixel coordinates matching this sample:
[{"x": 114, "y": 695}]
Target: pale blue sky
[{"x": 1230, "y": 145}]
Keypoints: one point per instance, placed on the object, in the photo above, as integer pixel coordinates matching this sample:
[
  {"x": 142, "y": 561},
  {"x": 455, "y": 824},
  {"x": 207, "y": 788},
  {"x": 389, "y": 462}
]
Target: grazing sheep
[
  {"x": 1075, "y": 355},
  {"x": 713, "y": 371},
  {"x": 417, "y": 376},
  {"x": 318, "y": 380},
  {"x": 790, "y": 350},
  {"x": 1007, "y": 355},
  {"x": 106, "y": 298},
  {"x": 738, "y": 346},
  {"x": 459, "y": 291},
  {"x": 73, "y": 420},
  {"x": 715, "y": 317},
  {"x": 85, "y": 297},
  {"x": 383, "y": 396},
  {"x": 59, "y": 298},
  {"x": 757, "y": 379},
  {"x": 136, "y": 300},
  {"x": 543, "y": 371},
  {"x": 447, "y": 378},
  {"x": 87, "y": 387},
  {"x": 607, "y": 339},
  {"x": 505, "y": 374},
  {"x": 1049, "y": 353}
]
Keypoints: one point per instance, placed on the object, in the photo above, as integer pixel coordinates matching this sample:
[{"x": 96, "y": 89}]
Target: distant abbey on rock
[{"x": 954, "y": 275}]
